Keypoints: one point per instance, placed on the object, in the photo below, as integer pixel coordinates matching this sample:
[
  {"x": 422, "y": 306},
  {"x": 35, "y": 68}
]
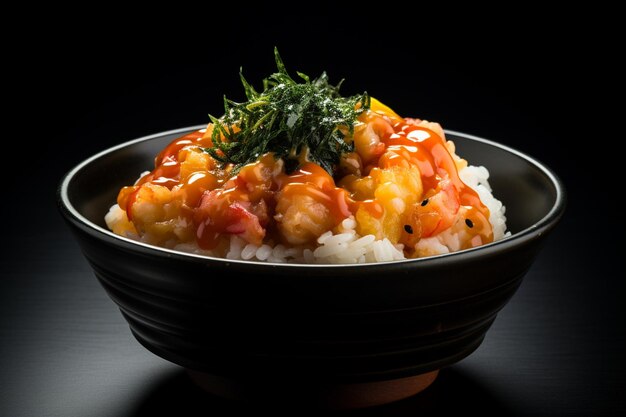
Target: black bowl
[{"x": 339, "y": 324}]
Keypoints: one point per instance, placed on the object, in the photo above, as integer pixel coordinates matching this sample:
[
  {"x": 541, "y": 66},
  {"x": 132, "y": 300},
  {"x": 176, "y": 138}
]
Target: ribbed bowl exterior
[{"x": 354, "y": 323}]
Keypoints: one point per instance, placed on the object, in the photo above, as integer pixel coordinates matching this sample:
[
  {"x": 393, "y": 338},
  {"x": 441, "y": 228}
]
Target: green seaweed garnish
[{"x": 287, "y": 118}]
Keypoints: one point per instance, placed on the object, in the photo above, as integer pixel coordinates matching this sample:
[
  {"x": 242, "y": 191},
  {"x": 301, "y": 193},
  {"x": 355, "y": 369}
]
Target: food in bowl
[
  {"x": 364, "y": 334},
  {"x": 299, "y": 173}
]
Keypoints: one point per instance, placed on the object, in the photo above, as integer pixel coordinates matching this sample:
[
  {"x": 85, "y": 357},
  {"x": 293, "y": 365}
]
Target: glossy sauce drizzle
[
  {"x": 419, "y": 145},
  {"x": 245, "y": 203}
]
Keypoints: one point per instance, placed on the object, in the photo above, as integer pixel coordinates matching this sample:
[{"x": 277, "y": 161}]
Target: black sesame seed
[
  {"x": 408, "y": 229},
  {"x": 424, "y": 202},
  {"x": 469, "y": 223}
]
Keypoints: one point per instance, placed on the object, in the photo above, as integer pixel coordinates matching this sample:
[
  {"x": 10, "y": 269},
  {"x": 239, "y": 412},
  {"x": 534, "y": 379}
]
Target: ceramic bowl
[{"x": 340, "y": 335}]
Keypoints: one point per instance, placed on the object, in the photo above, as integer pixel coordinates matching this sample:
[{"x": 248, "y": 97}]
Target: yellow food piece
[
  {"x": 378, "y": 107},
  {"x": 301, "y": 219},
  {"x": 396, "y": 189},
  {"x": 194, "y": 161},
  {"x": 367, "y": 224},
  {"x": 156, "y": 215},
  {"x": 360, "y": 189}
]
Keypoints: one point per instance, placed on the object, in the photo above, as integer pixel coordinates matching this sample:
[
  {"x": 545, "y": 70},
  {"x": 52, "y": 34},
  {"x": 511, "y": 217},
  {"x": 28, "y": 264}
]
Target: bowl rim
[{"x": 532, "y": 232}]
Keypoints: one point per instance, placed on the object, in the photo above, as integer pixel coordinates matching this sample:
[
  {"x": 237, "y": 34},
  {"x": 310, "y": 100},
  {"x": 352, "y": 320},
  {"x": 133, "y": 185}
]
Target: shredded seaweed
[{"x": 289, "y": 119}]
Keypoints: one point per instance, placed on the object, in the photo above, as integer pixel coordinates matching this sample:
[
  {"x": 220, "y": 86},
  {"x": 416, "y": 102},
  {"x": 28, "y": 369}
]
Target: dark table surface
[{"x": 557, "y": 348}]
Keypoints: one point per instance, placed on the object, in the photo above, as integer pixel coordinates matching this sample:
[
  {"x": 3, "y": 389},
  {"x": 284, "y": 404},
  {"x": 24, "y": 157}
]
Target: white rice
[
  {"x": 347, "y": 247},
  {"x": 478, "y": 179}
]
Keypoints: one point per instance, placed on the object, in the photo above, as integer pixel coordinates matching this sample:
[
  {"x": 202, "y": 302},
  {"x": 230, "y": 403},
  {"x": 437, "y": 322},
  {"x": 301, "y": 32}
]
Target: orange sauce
[
  {"x": 247, "y": 200},
  {"x": 426, "y": 149},
  {"x": 312, "y": 180}
]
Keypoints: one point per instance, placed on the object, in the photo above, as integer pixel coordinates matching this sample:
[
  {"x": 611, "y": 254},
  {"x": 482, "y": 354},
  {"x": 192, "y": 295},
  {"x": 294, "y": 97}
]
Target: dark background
[{"x": 556, "y": 349}]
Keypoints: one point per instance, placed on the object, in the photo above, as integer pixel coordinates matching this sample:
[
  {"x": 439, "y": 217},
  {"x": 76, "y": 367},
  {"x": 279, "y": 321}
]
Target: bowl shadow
[{"x": 454, "y": 391}]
